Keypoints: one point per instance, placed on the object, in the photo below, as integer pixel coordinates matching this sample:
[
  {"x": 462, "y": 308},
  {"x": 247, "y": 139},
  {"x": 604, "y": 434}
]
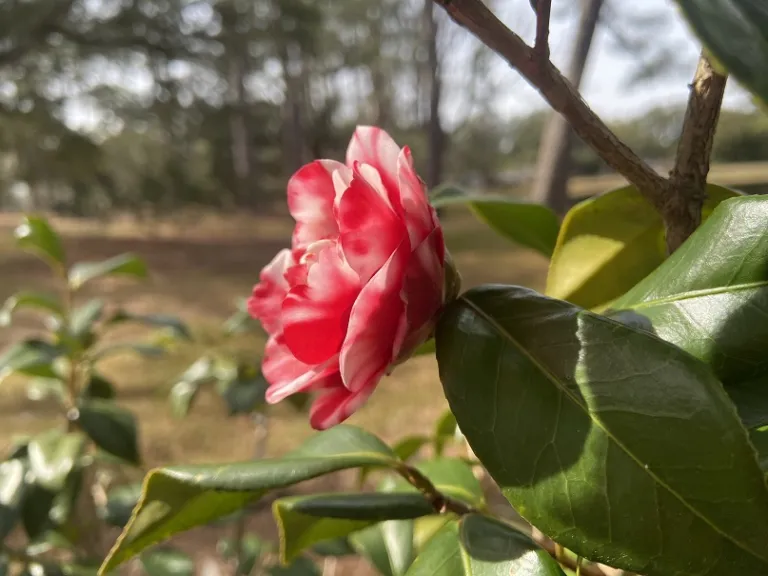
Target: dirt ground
[{"x": 200, "y": 266}]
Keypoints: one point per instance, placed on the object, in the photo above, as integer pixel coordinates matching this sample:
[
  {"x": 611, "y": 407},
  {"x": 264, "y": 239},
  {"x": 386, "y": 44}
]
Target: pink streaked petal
[
  {"x": 341, "y": 181},
  {"x": 267, "y": 298},
  {"x": 413, "y": 198},
  {"x": 372, "y": 145},
  {"x": 311, "y": 195},
  {"x": 315, "y": 315},
  {"x": 375, "y": 325},
  {"x": 334, "y": 406},
  {"x": 370, "y": 230},
  {"x": 287, "y": 375}
]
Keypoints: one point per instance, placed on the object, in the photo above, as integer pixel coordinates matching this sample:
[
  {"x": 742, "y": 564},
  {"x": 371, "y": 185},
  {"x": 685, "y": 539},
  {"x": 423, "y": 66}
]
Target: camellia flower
[{"x": 362, "y": 285}]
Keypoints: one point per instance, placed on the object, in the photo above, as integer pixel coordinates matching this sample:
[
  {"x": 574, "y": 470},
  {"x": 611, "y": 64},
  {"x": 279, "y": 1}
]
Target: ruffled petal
[
  {"x": 267, "y": 298},
  {"x": 315, "y": 315},
  {"x": 370, "y": 229},
  {"x": 373, "y": 146},
  {"x": 375, "y": 331},
  {"x": 288, "y": 376},
  {"x": 311, "y": 196},
  {"x": 413, "y": 198},
  {"x": 335, "y": 405}
]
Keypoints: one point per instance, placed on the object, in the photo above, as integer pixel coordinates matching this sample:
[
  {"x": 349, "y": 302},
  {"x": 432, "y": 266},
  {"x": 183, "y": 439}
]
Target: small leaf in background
[
  {"x": 246, "y": 392},
  {"x": 609, "y": 243},
  {"x": 304, "y": 521},
  {"x": 241, "y": 321},
  {"x": 120, "y": 503},
  {"x": 409, "y": 446},
  {"x": 454, "y": 478},
  {"x": 388, "y": 546},
  {"x": 302, "y": 566},
  {"x": 425, "y": 349},
  {"x": 35, "y": 508},
  {"x": 112, "y": 428},
  {"x": 173, "y": 324},
  {"x": 735, "y": 32},
  {"x": 12, "y": 487},
  {"x": 531, "y": 225},
  {"x": 178, "y": 498},
  {"x": 29, "y": 300},
  {"x": 445, "y": 431},
  {"x": 123, "y": 265},
  {"x": 84, "y": 317},
  {"x": 36, "y": 235},
  {"x": 184, "y": 392},
  {"x": 44, "y": 388},
  {"x": 98, "y": 387},
  {"x": 52, "y": 457},
  {"x": 30, "y": 357},
  {"x": 334, "y": 547},
  {"x": 146, "y": 350},
  {"x": 167, "y": 562},
  {"x": 251, "y": 550}
]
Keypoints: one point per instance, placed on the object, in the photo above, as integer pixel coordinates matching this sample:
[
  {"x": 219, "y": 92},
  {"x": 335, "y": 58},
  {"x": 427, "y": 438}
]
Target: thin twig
[
  {"x": 689, "y": 176},
  {"x": 543, "y": 12}
]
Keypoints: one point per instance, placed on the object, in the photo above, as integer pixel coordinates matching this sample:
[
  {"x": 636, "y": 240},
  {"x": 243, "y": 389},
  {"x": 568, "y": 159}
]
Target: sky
[{"x": 605, "y": 85}]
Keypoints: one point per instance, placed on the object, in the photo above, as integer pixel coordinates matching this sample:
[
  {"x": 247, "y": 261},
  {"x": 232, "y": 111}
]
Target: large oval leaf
[
  {"x": 609, "y": 243},
  {"x": 711, "y": 297},
  {"x": 736, "y": 31},
  {"x": 613, "y": 442},
  {"x": 531, "y": 225},
  {"x": 179, "y": 498},
  {"x": 36, "y": 235}
]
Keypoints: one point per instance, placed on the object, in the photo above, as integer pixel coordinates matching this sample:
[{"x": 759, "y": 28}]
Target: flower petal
[
  {"x": 311, "y": 195},
  {"x": 372, "y": 145},
  {"x": 334, "y": 406},
  {"x": 370, "y": 229},
  {"x": 267, "y": 298},
  {"x": 375, "y": 331},
  {"x": 287, "y": 375},
  {"x": 315, "y": 315},
  {"x": 413, "y": 199}
]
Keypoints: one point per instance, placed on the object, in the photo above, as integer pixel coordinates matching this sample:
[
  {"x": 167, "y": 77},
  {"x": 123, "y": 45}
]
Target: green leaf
[
  {"x": 246, "y": 392},
  {"x": 481, "y": 546},
  {"x": 84, "y": 317},
  {"x": 184, "y": 392},
  {"x": 12, "y": 488},
  {"x": 146, "y": 350},
  {"x": 112, "y": 428},
  {"x": 45, "y": 388},
  {"x": 35, "y": 508},
  {"x": 425, "y": 349},
  {"x": 36, "y": 235},
  {"x": 454, "y": 478},
  {"x": 759, "y": 438},
  {"x": 98, "y": 387},
  {"x": 123, "y": 265},
  {"x": 52, "y": 457},
  {"x": 589, "y": 411},
  {"x": 304, "y": 521},
  {"x": 735, "y": 31},
  {"x": 445, "y": 430},
  {"x": 30, "y": 357},
  {"x": 179, "y": 498},
  {"x": 531, "y": 225},
  {"x": 387, "y": 545},
  {"x": 121, "y": 501},
  {"x": 177, "y": 328},
  {"x": 301, "y": 567},
  {"x": 241, "y": 321},
  {"x": 334, "y": 547},
  {"x": 710, "y": 297},
  {"x": 409, "y": 446},
  {"x": 167, "y": 562},
  {"x": 609, "y": 243},
  {"x": 33, "y": 300}
]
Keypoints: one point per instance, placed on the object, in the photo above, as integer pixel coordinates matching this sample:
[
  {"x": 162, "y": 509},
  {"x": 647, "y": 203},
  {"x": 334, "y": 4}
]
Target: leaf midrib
[
  {"x": 553, "y": 378},
  {"x": 682, "y": 296}
]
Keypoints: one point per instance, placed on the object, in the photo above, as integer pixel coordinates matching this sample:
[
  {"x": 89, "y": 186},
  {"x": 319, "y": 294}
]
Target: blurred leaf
[
  {"x": 245, "y": 393},
  {"x": 609, "y": 243},
  {"x": 179, "y": 498},
  {"x": 387, "y": 545},
  {"x": 33, "y": 300},
  {"x": 52, "y": 457},
  {"x": 63, "y": 504},
  {"x": 30, "y": 357},
  {"x": 304, "y": 521},
  {"x": 36, "y": 235},
  {"x": 112, "y": 428},
  {"x": 300, "y": 401},
  {"x": 241, "y": 321},
  {"x": 603, "y": 404},
  {"x": 409, "y": 446},
  {"x": 184, "y": 392},
  {"x": 425, "y": 349},
  {"x": 531, "y": 225},
  {"x": 251, "y": 549},
  {"x": 445, "y": 430},
  {"x": 123, "y": 265},
  {"x": 735, "y": 32},
  {"x": 35, "y": 507},
  {"x": 167, "y": 562},
  {"x": 85, "y": 316},
  {"x": 140, "y": 348},
  {"x": 79, "y": 570},
  {"x": 172, "y": 323},
  {"x": 12, "y": 488},
  {"x": 120, "y": 503},
  {"x": 98, "y": 387},
  {"x": 334, "y": 547},
  {"x": 5, "y": 565},
  {"x": 44, "y": 388},
  {"x": 300, "y": 567}
]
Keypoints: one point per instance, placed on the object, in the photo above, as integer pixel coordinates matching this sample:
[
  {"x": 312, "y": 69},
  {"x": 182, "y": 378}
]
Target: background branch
[
  {"x": 689, "y": 176},
  {"x": 543, "y": 12}
]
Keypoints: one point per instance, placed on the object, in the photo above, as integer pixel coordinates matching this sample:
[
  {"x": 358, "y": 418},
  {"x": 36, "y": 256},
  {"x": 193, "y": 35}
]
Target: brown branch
[
  {"x": 543, "y": 11},
  {"x": 689, "y": 176}
]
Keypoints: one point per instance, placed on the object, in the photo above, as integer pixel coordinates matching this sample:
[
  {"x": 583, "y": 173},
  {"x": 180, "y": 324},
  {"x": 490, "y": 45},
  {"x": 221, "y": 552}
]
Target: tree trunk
[
  {"x": 553, "y": 168},
  {"x": 435, "y": 136}
]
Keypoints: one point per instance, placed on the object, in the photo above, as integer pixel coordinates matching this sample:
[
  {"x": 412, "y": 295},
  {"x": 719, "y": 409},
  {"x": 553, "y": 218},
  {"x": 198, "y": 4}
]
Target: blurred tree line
[{"x": 154, "y": 104}]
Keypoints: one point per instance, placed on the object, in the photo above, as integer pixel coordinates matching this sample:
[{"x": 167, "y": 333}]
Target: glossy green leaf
[
  {"x": 84, "y": 317},
  {"x": 36, "y": 235},
  {"x": 618, "y": 445},
  {"x": 184, "y": 392},
  {"x": 179, "y": 498},
  {"x": 12, "y": 488},
  {"x": 711, "y": 297},
  {"x": 388, "y": 546},
  {"x": 52, "y": 457},
  {"x": 167, "y": 562},
  {"x": 304, "y": 521},
  {"x": 30, "y": 357},
  {"x": 736, "y": 32},
  {"x": 759, "y": 439},
  {"x": 171, "y": 323},
  {"x": 112, "y": 428},
  {"x": 98, "y": 387},
  {"x": 531, "y": 225},
  {"x": 29, "y": 300},
  {"x": 454, "y": 478},
  {"x": 121, "y": 501},
  {"x": 609, "y": 243},
  {"x": 123, "y": 265},
  {"x": 481, "y": 546}
]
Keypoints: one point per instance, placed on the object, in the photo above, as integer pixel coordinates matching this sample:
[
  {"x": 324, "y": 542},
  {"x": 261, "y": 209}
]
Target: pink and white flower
[{"x": 362, "y": 284}]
